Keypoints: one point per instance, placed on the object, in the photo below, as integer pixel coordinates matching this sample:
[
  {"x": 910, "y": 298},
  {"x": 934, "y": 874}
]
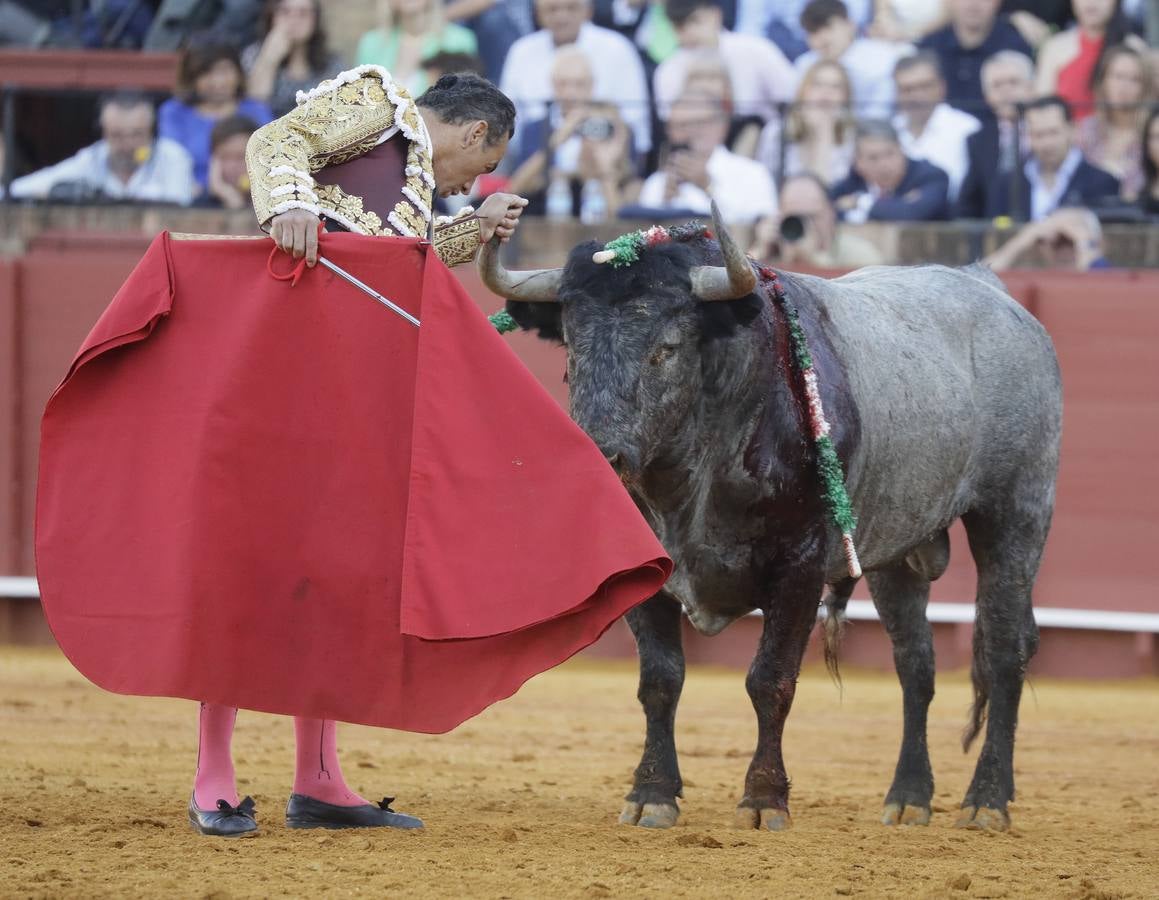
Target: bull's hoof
[
  {"x": 904, "y": 814},
  {"x": 771, "y": 819},
  {"x": 983, "y": 819},
  {"x": 649, "y": 815}
]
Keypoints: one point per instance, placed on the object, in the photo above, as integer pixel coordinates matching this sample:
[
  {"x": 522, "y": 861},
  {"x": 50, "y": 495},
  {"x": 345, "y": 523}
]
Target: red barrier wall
[{"x": 1105, "y": 527}]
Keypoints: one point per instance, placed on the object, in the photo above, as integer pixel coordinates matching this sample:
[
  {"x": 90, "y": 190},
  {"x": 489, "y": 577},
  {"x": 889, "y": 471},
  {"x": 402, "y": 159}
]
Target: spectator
[
  {"x": 228, "y": 184},
  {"x": 496, "y": 24},
  {"x": 868, "y": 62},
  {"x": 761, "y": 76},
  {"x": 1036, "y": 20},
  {"x": 1149, "y": 195},
  {"x": 698, "y": 168},
  {"x": 887, "y": 186},
  {"x": 580, "y": 154},
  {"x": 805, "y": 231},
  {"x": 619, "y": 72},
  {"x": 409, "y": 31},
  {"x": 1067, "y": 62},
  {"x": 228, "y": 21},
  {"x": 292, "y": 55},
  {"x": 1066, "y": 239},
  {"x": 999, "y": 147},
  {"x": 129, "y": 162},
  {"x": 907, "y": 20},
  {"x": 780, "y": 22},
  {"x": 442, "y": 64},
  {"x": 817, "y": 137},
  {"x": 975, "y": 33},
  {"x": 1110, "y": 139},
  {"x": 1056, "y": 173},
  {"x": 708, "y": 74},
  {"x": 210, "y": 85},
  {"x": 930, "y": 128}
]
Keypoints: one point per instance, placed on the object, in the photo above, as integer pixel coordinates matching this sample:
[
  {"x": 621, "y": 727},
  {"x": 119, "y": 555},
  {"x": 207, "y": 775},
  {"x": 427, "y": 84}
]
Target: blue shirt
[
  {"x": 182, "y": 123},
  {"x": 963, "y": 68}
]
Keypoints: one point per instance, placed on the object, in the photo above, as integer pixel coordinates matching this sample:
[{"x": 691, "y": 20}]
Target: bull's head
[{"x": 634, "y": 335}]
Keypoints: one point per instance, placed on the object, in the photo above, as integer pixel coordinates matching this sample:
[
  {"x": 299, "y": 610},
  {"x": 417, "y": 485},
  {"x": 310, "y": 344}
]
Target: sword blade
[{"x": 367, "y": 289}]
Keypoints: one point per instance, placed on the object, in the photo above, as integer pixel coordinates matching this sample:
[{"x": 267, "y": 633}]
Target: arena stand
[{"x": 1097, "y": 607}]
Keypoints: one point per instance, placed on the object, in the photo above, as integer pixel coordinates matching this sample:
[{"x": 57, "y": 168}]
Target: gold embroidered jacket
[{"x": 340, "y": 120}]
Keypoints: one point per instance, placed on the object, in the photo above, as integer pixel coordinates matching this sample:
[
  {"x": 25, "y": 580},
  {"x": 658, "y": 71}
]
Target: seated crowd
[{"x": 793, "y": 115}]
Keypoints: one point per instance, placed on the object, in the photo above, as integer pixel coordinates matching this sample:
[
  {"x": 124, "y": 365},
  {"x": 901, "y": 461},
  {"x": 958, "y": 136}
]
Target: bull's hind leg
[
  {"x": 900, "y": 595},
  {"x": 1007, "y": 548},
  {"x": 772, "y": 684},
  {"x": 652, "y": 800}
]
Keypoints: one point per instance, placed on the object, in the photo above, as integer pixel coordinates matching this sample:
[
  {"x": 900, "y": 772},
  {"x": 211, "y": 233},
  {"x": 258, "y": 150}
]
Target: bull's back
[{"x": 957, "y": 390}]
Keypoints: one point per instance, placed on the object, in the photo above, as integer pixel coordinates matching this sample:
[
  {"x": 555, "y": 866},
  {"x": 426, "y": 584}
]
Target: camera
[
  {"x": 793, "y": 228},
  {"x": 596, "y": 128}
]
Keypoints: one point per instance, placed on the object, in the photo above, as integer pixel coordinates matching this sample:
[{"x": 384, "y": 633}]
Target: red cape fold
[{"x": 289, "y": 499}]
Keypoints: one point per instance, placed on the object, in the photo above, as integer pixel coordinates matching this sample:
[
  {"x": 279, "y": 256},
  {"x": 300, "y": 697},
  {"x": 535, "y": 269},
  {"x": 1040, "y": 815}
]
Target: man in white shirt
[
  {"x": 929, "y": 128},
  {"x": 869, "y": 62},
  {"x": 618, "y": 69},
  {"x": 698, "y": 168},
  {"x": 129, "y": 162},
  {"x": 762, "y": 77}
]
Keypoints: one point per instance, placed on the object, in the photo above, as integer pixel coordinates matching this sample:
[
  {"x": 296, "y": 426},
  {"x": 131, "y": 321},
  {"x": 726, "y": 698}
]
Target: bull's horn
[
  {"x": 528, "y": 285},
  {"x": 733, "y": 280}
]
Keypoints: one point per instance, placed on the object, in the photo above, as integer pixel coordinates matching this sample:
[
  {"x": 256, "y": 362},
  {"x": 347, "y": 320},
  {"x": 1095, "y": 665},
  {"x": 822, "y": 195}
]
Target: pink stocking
[
  {"x": 317, "y": 773},
  {"x": 215, "y": 780}
]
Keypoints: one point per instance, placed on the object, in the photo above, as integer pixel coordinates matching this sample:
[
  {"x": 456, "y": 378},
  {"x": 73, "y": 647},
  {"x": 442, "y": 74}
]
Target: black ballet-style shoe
[
  {"x": 306, "y": 812},
  {"x": 226, "y": 820}
]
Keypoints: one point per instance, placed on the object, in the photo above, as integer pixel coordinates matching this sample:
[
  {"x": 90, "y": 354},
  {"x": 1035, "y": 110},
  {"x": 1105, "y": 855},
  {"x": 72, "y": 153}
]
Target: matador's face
[{"x": 462, "y": 154}]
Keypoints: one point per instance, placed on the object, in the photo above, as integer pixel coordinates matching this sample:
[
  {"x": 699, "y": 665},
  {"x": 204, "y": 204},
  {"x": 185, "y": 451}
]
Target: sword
[{"x": 367, "y": 289}]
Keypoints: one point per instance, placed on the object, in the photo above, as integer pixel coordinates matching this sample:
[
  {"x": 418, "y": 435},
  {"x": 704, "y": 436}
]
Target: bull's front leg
[
  {"x": 652, "y": 800},
  {"x": 771, "y": 683}
]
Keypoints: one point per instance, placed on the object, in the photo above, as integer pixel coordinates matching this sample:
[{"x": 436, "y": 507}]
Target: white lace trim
[
  {"x": 349, "y": 76},
  {"x": 287, "y": 205},
  {"x": 290, "y": 170},
  {"x": 399, "y": 225},
  {"x": 451, "y": 220},
  {"x": 417, "y": 202},
  {"x": 299, "y": 189},
  {"x": 349, "y": 224}
]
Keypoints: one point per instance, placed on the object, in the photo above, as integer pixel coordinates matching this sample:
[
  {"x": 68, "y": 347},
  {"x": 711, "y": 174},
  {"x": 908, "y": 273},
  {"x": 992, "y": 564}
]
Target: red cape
[{"x": 289, "y": 499}]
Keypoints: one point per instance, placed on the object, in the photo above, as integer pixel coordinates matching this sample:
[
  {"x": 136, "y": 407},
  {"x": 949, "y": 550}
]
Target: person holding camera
[
  {"x": 805, "y": 233},
  {"x": 577, "y": 160},
  {"x": 129, "y": 162}
]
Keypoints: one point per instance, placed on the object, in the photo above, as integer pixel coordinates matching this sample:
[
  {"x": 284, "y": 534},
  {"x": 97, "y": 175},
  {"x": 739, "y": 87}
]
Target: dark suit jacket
[
  {"x": 1086, "y": 187},
  {"x": 980, "y": 197},
  {"x": 921, "y": 196}
]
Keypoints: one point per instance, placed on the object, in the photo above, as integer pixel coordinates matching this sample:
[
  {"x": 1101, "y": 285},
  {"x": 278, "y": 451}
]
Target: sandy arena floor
[{"x": 522, "y": 801}]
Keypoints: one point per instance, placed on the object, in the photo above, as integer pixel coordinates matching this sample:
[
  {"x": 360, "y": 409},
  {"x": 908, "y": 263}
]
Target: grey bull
[{"x": 945, "y": 403}]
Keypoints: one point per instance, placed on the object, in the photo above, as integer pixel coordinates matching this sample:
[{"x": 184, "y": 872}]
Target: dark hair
[
  {"x": 1150, "y": 166},
  {"x": 454, "y": 63},
  {"x": 196, "y": 60},
  {"x": 124, "y": 99},
  {"x": 881, "y": 129},
  {"x": 230, "y": 126},
  {"x": 817, "y": 13},
  {"x": 468, "y": 98},
  {"x": 317, "y": 51},
  {"x": 680, "y": 11},
  {"x": 921, "y": 58},
  {"x": 1052, "y": 100},
  {"x": 1118, "y": 27}
]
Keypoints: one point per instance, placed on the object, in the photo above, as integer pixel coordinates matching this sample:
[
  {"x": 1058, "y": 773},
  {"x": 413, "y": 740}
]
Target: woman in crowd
[
  {"x": 1149, "y": 195},
  {"x": 228, "y": 186},
  {"x": 210, "y": 88},
  {"x": 1067, "y": 62},
  {"x": 818, "y": 131},
  {"x": 292, "y": 55},
  {"x": 1111, "y": 138},
  {"x": 409, "y": 32}
]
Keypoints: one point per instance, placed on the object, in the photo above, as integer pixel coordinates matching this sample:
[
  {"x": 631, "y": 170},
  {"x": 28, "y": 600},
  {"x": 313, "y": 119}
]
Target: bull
[{"x": 944, "y": 399}]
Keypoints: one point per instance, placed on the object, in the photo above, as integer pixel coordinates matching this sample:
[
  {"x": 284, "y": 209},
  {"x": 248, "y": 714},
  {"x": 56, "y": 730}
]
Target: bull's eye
[{"x": 662, "y": 353}]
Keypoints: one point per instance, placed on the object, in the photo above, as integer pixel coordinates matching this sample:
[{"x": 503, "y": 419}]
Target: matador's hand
[
  {"x": 499, "y": 215},
  {"x": 296, "y": 232}
]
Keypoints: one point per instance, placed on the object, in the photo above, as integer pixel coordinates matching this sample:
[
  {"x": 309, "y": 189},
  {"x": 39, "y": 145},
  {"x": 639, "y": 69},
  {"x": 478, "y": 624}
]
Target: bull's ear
[{"x": 545, "y": 319}]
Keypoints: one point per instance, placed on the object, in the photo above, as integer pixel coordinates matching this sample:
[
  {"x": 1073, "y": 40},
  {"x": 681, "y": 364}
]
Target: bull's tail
[
  {"x": 980, "y": 677},
  {"x": 835, "y": 602}
]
